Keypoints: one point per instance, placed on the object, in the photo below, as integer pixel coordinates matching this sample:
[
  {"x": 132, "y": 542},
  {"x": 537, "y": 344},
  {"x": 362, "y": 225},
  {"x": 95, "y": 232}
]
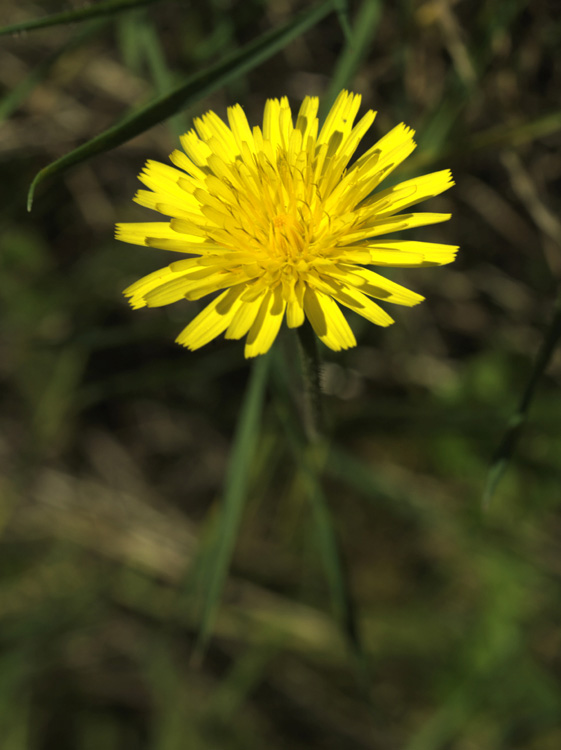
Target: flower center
[
  {"x": 288, "y": 238},
  {"x": 282, "y": 220}
]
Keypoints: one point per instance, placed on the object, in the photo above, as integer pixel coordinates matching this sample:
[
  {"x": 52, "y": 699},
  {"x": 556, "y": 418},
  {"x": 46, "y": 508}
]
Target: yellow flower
[{"x": 276, "y": 222}]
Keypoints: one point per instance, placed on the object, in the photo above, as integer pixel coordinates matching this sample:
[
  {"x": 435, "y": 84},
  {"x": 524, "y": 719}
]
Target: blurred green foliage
[{"x": 371, "y": 602}]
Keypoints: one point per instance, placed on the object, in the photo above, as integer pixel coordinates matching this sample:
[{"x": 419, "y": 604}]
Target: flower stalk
[{"x": 313, "y": 412}]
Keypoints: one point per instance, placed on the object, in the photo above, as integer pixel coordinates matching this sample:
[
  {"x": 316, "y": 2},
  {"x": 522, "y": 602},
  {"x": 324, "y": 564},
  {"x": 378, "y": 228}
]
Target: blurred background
[{"x": 114, "y": 441}]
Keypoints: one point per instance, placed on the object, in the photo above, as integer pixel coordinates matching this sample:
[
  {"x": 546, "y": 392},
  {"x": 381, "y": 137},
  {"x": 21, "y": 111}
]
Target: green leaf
[
  {"x": 219, "y": 549},
  {"x": 95, "y": 10},
  {"x": 197, "y": 87},
  {"x": 512, "y": 434}
]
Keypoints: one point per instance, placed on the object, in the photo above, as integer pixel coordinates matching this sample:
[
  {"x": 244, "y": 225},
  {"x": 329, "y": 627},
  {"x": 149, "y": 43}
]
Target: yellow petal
[
  {"x": 137, "y": 233},
  {"x": 244, "y": 318},
  {"x": 240, "y": 127},
  {"x": 179, "y": 287},
  {"x": 182, "y": 161},
  {"x": 395, "y": 224},
  {"x": 408, "y": 253},
  {"x": 267, "y": 323},
  {"x": 211, "y": 127},
  {"x": 307, "y": 121},
  {"x": 285, "y": 122},
  {"x": 377, "y": 286},
  {"x": 340, "y": 117},
  {"x": 198, "y": 151},
  {"x": 152, "y": 200},
  {"x": 327, "y": 320},
  {"x": 295, "y": 305},
  {"x": 394, "y": 258},
  {"x": 184, "y": 244},
  {"x": 271, "y": 128},
  {"x": 212, "y": 321},
  {"x": 409, "y": 193},
  {"x": 212, "y": 283},
  {"x": 344, "y": 154},
  {"x": 163, "y": 179},
  {"x": 361, "y": 304},
  {"x": 137, "y": 291}
]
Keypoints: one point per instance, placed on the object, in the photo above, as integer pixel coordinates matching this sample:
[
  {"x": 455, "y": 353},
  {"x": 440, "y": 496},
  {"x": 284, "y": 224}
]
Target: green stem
[{"x": 314, "y": 419}]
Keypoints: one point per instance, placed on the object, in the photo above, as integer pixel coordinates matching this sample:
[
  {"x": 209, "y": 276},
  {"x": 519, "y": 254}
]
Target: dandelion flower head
[{"x": 274, "y": 223}]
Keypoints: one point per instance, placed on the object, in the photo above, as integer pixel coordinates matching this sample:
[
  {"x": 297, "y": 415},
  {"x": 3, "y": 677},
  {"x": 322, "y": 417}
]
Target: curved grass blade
[
  {"x": 197, "y": 87},
  {"x": 95, "y": 10},
  {"x": 220, "y": 547},
  {"x": 512, "y": 434},
  {"x": 359, "y": 42}
]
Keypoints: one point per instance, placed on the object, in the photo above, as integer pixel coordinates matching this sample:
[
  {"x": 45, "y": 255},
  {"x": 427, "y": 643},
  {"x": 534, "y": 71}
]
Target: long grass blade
[
  {"x": 218, "y": 552},
  {"x": 512, "y": 434},
  {"x": 95, "y": 10},
  {"x": 337, "y": 578},
  {"x": 335, "y": 572},
  {"x": 164, "y": 80},
  {"x": 342, "y": 10},
  {"x": 197, "y": 87},
  {"x": 359, "y": 44}
]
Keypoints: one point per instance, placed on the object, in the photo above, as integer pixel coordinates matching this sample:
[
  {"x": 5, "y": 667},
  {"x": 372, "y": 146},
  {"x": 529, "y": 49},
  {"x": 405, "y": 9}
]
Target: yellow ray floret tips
[{"x": 275, "y": 223}]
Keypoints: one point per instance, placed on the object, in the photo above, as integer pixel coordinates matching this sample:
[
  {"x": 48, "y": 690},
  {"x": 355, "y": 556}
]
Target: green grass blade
[
  {"x": 164, "y": 80},
  {"x": 512, "y": 434},
  {"x": 161, "y": 74},
  {"x": 358, "y": 46},
  {"x": 342, "y": 10},
  {"x": 219, "y": 551},
  {"x": 95, "y": 10},
  {"x": 12, "y": 100},
  {"x": 337, "y": 578},
  {"x": 197, "y": 87},
  {"x": 335, "y": 573}
]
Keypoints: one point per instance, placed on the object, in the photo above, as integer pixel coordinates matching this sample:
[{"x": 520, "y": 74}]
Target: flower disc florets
[{"x": 275, "y": 221}]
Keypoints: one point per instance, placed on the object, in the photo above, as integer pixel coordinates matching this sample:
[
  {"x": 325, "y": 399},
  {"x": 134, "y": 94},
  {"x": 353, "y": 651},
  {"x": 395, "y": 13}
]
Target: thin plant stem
[
  {"x": 314, "y": 417},
  {"x": 518, "y": 419}
]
